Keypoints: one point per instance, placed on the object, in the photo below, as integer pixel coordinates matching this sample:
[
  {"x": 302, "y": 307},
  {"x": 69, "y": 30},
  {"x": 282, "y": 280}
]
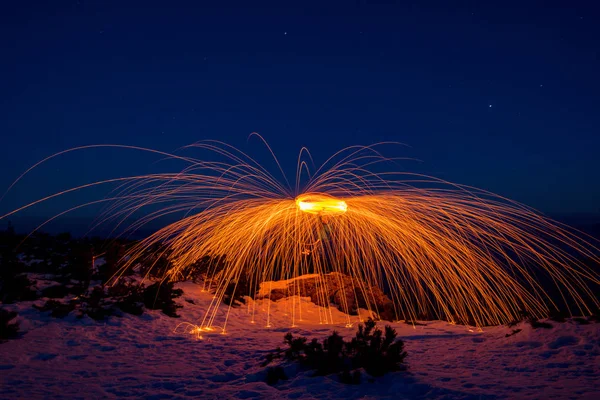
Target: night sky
[{"x": 499, "y": 96}]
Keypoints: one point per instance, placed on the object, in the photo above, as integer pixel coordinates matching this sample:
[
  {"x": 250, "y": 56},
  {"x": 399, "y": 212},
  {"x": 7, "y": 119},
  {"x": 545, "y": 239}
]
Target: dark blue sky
[{"x": 499, "y": 96}]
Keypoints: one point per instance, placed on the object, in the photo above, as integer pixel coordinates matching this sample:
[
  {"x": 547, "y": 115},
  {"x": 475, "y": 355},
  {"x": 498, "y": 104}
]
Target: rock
[
  {"x": 278, "y": 294},
  {"x": 340, "y": 290}
]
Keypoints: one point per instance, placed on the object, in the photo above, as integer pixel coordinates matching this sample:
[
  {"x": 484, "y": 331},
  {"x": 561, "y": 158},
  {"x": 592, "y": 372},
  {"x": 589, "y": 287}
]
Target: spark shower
[{"x": 456, "y": 252}]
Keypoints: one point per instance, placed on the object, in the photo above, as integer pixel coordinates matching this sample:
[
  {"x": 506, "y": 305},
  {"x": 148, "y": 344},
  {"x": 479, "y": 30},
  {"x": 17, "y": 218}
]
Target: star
[
  {"x": 490, "y": 106},
  {"x": 285, "y": 33}
]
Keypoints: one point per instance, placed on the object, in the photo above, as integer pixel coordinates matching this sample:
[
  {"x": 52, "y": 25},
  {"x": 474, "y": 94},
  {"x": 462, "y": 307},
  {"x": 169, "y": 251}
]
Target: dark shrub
[
  {"x": 58, "y": 309},
  {"x": 236, "y": 291},
  {"x": 16, "y": 288},
  {"x": 96, "y": 305},
  {"x": 514, "y": 332},
  {"x": 131, "y": 306},
  {"x": 558, "y": 316},
  {"x": 55, "y": 291},
  {"x": 128, "y": 297},
  {"x": 113, "y": 256},
  {"x": 375, "y": 351},
  {"x": 414, "y": 323},
  {"x": 160, "y": 295},
  {"x": 154, "y": 261},
  {"x": 350, "y": 378},
  {"x": 274, "y": 375},
  {"x": 201, "y": 268},
  {"x": 8, "y": 330},
  {"x": 99, "y": 303},
  {"x": 525, "y": 316},
  {"x": 580, "y": 321},
  {"x": 78, "y": 265},
  {"x": 535, "y": 324}
]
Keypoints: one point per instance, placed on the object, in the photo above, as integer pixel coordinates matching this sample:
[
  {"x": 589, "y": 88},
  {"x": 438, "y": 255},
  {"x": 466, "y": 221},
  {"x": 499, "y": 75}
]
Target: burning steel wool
[{"x": 321, "y": 205}]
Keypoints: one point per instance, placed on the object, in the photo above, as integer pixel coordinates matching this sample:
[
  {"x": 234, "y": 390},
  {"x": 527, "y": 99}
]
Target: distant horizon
[{"x": 77, "y": 226}]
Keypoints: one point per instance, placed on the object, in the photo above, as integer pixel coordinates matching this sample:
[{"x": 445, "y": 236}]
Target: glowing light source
[{"x": 321, "y": 204}]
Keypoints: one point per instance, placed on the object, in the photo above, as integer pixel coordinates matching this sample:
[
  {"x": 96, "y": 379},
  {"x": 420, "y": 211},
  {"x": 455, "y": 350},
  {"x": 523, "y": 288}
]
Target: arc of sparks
[{"x": 435, "y": 247}]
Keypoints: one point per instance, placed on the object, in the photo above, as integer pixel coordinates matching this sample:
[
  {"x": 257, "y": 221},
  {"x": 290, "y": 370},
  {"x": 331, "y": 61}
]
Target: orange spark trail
[{"x": 448, "y": 250}]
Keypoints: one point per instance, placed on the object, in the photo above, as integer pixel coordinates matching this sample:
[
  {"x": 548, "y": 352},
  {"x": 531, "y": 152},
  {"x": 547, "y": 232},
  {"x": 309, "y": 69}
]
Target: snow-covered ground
[{"x": 142, "y": 357}]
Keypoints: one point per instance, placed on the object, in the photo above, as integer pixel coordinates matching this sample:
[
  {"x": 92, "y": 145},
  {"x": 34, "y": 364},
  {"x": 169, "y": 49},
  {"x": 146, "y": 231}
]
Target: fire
[{"x": 321, "y": 204}]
